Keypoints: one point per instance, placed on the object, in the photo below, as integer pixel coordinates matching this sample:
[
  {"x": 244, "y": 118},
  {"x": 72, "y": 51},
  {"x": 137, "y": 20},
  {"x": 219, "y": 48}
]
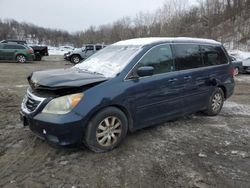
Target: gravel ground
[{"x": 192, "y": 151}]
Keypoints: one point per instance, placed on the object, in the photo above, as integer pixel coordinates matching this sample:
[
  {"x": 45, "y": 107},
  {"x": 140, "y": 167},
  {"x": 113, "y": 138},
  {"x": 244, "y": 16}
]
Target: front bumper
[
  {"x": 58, "y": 129},
  {"x": 67, "y": 57},
  {"x": 63, "y": 130}
]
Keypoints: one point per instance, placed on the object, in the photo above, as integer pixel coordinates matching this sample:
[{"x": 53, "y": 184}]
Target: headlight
[{"x": 63, "y": 105}]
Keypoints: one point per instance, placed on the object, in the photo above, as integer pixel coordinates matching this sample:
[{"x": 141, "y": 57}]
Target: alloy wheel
[
  {"x": 76, "y": 59},
  {"x": 217, "y": 102},
  {"x": 109, "y": 131},
  {"x": 21, "y": 59}
]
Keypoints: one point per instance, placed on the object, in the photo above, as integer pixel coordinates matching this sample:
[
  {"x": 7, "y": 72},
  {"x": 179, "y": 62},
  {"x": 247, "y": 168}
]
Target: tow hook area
[{"x": 24, "y": 119}]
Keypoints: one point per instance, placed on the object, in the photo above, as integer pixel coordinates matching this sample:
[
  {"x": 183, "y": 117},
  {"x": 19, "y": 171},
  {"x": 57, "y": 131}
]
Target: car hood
[{"x": 61, "y": 78}]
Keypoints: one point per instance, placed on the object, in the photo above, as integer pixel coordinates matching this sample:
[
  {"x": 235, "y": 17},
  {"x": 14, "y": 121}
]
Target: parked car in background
[
  {"x": 16, "y": 52},
  {"x": 39, "y": 51},
  {"x": 246, "y": 65},
  {"x": 78, "y": 54},
  {"x": 127, "y": 86},
  {"x": 237, "y": 65}
]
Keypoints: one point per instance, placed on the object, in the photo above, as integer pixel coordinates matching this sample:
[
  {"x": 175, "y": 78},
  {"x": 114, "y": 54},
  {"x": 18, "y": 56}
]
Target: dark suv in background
[
  {"x": 16, "y": 52},
  {"x": 125, "y": 87}
]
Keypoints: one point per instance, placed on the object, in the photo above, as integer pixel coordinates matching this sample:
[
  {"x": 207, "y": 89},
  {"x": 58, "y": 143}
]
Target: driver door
[{"x": 155, "y": 98}]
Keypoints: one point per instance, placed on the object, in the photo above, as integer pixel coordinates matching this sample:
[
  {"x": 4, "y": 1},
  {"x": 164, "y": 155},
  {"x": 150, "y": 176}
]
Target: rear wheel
[
  {"x": 106, "y": 130},
  {"x": 215, "y": 103},
  {"x": 75, "y": 59},
  {"x": 21, "y": 58}
]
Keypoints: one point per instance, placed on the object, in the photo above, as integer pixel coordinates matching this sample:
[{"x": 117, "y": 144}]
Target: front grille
[{"x": 31, "y": 102}]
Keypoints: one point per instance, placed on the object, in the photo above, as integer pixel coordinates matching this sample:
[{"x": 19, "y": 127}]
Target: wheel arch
[
  {"x": 120, "y": 107},
  {"x": 76, "y": 55},
  {"x": 224, "y": 90},
  {"x": 20, "y": 54}
]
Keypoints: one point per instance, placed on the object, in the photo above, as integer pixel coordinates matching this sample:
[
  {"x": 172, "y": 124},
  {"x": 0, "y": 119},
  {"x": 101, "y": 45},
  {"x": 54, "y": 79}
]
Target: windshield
[{"x": 110, "y": 61}]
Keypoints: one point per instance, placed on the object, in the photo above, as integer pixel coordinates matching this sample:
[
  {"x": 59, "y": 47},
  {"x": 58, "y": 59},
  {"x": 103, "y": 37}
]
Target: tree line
[{"x": 225, "y": 20}]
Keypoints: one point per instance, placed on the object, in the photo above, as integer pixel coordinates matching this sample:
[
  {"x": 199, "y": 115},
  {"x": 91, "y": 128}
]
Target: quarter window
[
  {"x": 160, "y": 58},
  {"x": 187, "y": 56},
  {"x": 213, "y": 55}
]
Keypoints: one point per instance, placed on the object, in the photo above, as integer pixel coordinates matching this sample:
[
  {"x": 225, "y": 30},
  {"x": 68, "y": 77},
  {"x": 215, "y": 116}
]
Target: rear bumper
[
  {"x": 61, "y": 130},
  {"x": 31, "y": 58}
]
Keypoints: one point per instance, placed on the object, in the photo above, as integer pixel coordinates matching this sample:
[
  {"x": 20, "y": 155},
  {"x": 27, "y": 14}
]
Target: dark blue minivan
[{"x": 127, "y": 86}]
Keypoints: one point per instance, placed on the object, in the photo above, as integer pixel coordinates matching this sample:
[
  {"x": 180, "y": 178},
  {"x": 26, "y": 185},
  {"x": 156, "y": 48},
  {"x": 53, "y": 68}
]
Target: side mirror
[{"x": 145, "y": 71}]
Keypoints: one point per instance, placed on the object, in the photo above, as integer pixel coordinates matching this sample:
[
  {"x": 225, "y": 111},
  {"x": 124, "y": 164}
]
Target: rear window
[
  {"x": 213, "y": 55},
  {"x": 187, "y": 56}
]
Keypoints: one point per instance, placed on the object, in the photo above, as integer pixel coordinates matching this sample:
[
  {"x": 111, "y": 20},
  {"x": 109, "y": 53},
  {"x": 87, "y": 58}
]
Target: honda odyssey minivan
[{"x": 127, "y": 86}]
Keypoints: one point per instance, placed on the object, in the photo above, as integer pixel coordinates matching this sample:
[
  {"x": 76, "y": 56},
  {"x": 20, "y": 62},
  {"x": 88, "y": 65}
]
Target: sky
[{"x": 74, "y": 15}]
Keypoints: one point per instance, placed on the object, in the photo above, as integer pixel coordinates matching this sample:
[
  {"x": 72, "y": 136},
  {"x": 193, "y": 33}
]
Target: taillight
[
  {"x": 233, "y": 72},
  {"x": 30, "y": 51}
]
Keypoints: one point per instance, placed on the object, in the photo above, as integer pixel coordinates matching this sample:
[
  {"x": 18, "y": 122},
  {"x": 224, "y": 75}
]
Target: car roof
[{"x": 156, "y": 40}]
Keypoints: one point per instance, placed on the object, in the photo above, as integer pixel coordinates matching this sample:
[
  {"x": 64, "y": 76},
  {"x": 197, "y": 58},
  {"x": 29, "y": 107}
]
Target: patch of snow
[
  {"x": 236, "y": 109},
  {"x": 21, "y": 86},
  {"x": 227, "y": 143},
  {"x": 243, "y": 78},
  {"x": 202, "y": 155},
  {"x": 61, "y": 50},
  {"x": 150, "y": 40}
]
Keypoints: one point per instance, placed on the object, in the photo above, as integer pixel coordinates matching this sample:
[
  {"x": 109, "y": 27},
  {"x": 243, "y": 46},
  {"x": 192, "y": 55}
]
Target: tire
[
  {"x": 38, "y": 57},
  {"x": 106, "y": 130},
  {"x": 216, "y": 102},
  {"x": 75, "y": 59},
  {"x": 21, "y": 58}
]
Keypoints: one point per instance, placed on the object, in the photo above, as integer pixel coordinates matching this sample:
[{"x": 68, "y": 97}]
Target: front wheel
[
  {"x": 215, "y": 103},
  {"x": 106, "y": 130},
  {"x": 75, "y": 59},
  {"x": 21, "y": 58}
]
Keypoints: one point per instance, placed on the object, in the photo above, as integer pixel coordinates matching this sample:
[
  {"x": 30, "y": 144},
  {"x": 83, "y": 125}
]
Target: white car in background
[{"x": 246, "y": 65}]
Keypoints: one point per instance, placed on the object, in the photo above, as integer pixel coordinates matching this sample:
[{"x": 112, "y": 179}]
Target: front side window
[
  {"x": 160, "y": 58},
  {"x": 213, "y": 55},
  {"x": 89, "y": 48},
  {"x": 187, "y": 56}
]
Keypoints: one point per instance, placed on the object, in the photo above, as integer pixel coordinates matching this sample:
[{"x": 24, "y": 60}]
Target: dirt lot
[{"x": 192, "y": 151}]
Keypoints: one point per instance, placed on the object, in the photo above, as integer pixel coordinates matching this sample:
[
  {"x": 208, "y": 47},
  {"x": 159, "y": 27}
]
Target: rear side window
[
  {"x": 187, "y": 56},
  {"x": 213, "y": 55},
  {"x": 98, "y": 48},
  {"x": 160, "y": 58},
  {"x": 13, "y": 47}
]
